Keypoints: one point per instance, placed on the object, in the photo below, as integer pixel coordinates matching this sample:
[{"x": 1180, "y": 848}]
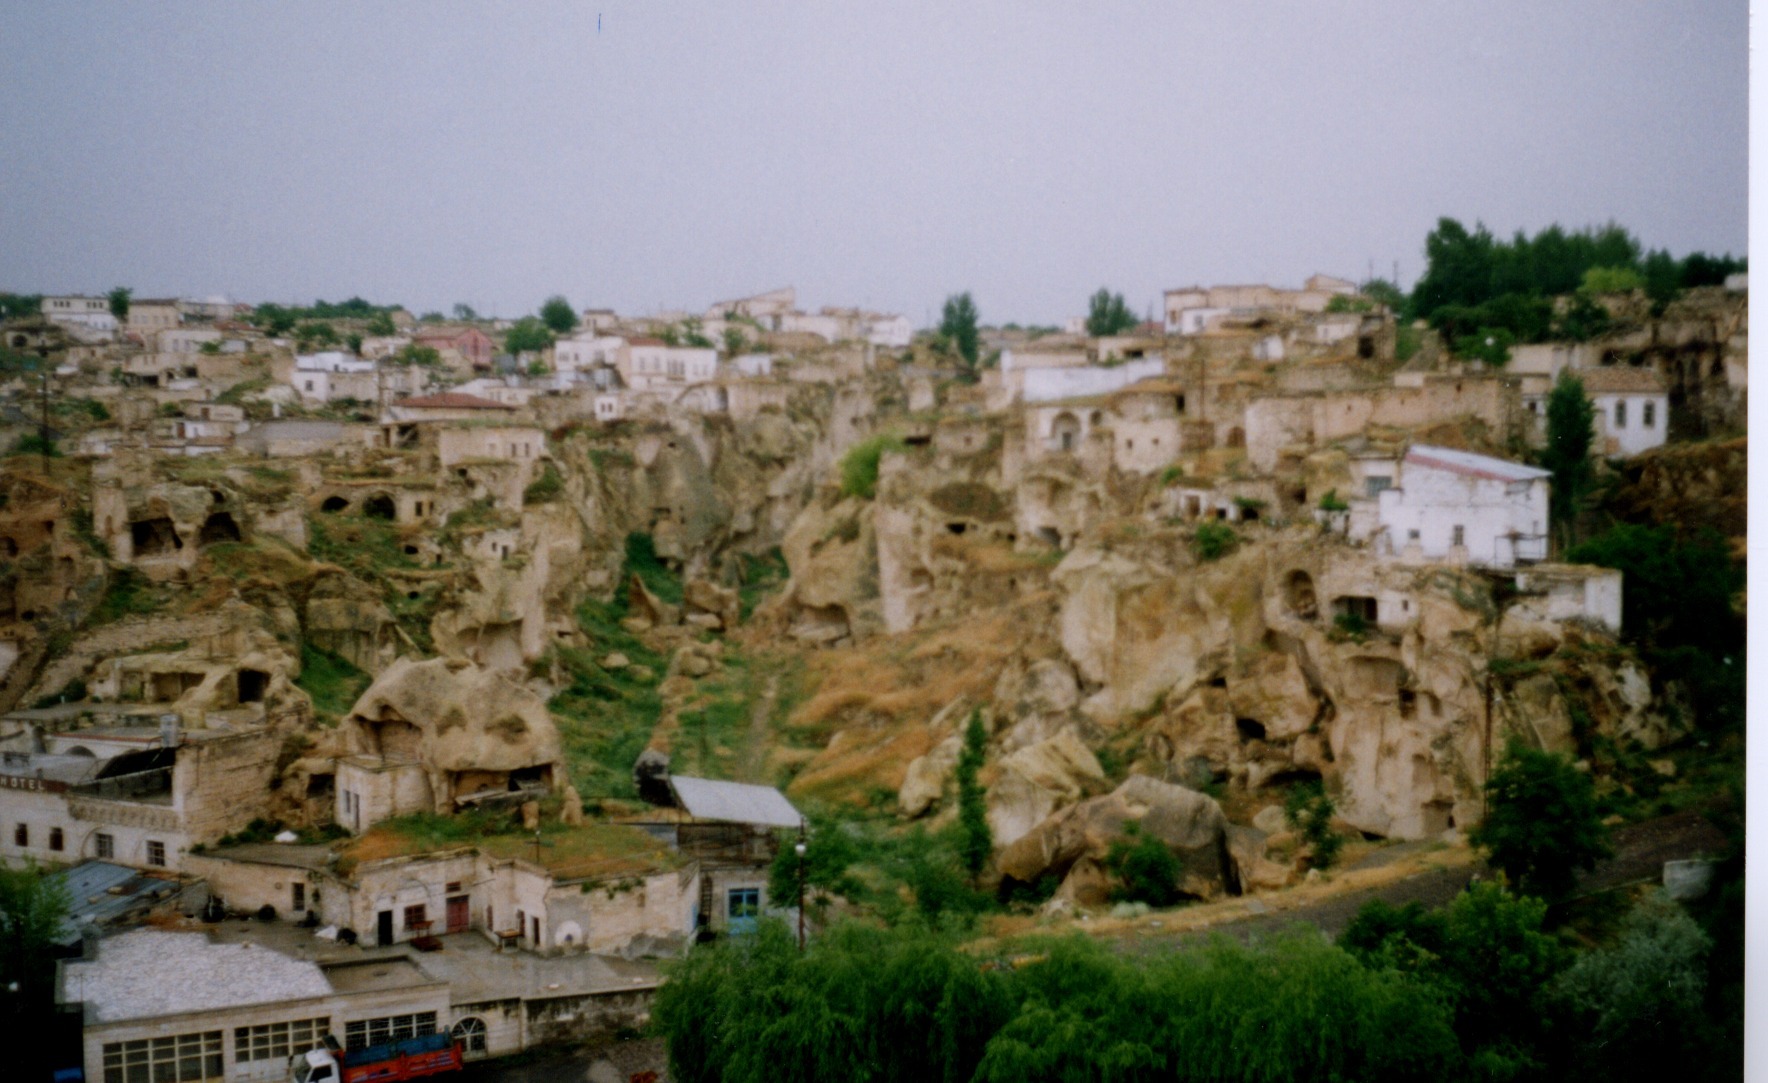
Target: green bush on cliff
[{"x": 859, "y": 467}]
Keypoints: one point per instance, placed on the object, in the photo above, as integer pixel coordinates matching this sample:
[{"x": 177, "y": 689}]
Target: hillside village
[{"x": 455, "y": 686}]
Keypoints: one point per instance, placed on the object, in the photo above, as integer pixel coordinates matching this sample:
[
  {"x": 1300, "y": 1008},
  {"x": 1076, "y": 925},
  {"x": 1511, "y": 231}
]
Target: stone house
[
  {"x": 132, "y": 794},
  {"x": 652, "y": 364},
  {"x": 1632, "y": 409},
  {"x": 1462, "y": 508},
  {"x": 92, "y": 313},
  {"x": 462, "y": 348},
  {"x": 155, "y": 315}
]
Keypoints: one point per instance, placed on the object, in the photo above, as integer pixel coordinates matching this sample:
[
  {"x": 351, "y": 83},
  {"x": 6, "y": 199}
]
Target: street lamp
[{"x": 798, "y": 849}]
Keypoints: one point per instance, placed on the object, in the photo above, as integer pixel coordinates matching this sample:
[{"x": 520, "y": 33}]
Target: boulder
[
  {"x": 924, "y": 785},
  {"x": 703, "y": 598},
  {"x": 570, "y": 806},
  {"x": 1270, "y": 819},
  {"x": 643, "y": 605},
  {"x": 1037, "y": 780},
  {"x": 1190, "y": 823},
  {"x": 614, "y": 660},
  {"x": 1253, "y": 871}
]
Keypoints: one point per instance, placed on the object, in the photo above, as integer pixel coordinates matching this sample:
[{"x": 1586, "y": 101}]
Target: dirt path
[{"x": 755, "y": 741}]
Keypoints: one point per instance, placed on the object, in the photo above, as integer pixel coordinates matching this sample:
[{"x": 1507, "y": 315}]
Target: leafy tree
[
  {"x": 830, "y": 852},
  {"x": 1598, "y": 280},
  {"x": 274, "y": 319},
  {"x": 1637, "y": 1008},
  {"x": 528, "y": 335},
  {"x": 381, "y": 324},
  {"x": 1677, "y": 606},
  {"x": 977, "y": 840},
  {"x": 1383, "y": 292},
  {"x": 734, "y": 342},
  {"x": 315, "y": 333},
  {"x": 32, "y": 908},
  {"x": 1571, "y": 429},
  {"x": 353, "y": 342},
  {"x": 1487, "y": 957},
  {"x": 1108, "y": 315},
  {"x": 15, "y": 305},
  {"x": 1146, "y": 871},
  {"x": 431, "y": 317},
  {"x": 465, "y": 313},
  {"x": 413, "y": 354},
  {"x": 1542, "y": 823},
  {"x": 558, "y": 315},
  {"x": 1488, "y": 344},
  {"x": 957, "y": 327},
  {"x": 35, "y": 443},
  {"x": 119, "y": 302},
  {"x": 1308, "y": 809},
  {"x": 1583, "y": 320},
  {"x": 693, "y": 333}
]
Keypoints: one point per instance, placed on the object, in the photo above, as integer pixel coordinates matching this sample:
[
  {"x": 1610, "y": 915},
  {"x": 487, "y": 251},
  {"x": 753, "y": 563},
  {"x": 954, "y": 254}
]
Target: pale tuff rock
[
  {"x": 1191, "y": 824},
  {"x": 455, "y": 718},
  {"x": 923, "y": 787},
  {"x": 702, "y": 598},
  {"x": 1037, "y": 780}
]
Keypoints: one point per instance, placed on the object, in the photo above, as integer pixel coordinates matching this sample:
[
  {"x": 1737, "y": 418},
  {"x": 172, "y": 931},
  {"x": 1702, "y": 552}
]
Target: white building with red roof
[{"x": 1456, "y": 507}]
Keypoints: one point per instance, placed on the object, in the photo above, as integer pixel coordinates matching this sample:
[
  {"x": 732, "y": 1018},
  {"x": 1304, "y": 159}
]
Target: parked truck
[{"x": 388, "y": 1062}]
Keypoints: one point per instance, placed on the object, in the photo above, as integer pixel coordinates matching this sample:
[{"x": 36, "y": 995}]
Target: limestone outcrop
[{"x": 1191, "y": 824}]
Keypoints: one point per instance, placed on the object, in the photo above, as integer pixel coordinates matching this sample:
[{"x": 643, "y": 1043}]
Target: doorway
[
  {"x": 457, "y": 913},
  {"x": 383, "y": 928}
]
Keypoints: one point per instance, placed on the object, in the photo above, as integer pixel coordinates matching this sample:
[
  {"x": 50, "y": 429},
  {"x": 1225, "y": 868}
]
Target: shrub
[
  {"x": 1308, "y": 808},
  {"x": 1145, "y": 869},
  {"x": 1214, "y": 541},
  {"x": 549, "y": 486},
  {"x": 1333, "y": 502},
  {"x": 859, "y": 467}
]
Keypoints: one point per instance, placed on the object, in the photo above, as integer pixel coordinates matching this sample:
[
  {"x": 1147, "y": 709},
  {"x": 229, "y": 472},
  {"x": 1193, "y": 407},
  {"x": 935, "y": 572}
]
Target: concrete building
[
  {"x": 131, "y": 794},
  {"x": 1461, "y": 508},
  {"x": 180, "y": 1007},
  {"x": 159, "y": 314},
  {"x": 78, "y": 310},
  {"x": 1632, "y": 409}
]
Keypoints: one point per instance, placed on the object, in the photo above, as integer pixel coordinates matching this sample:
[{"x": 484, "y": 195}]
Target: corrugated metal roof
[
  {"x": 734, "y": 802},
  {"x": 99, "y": 893},
  {"x": 1466, "y": 462}
]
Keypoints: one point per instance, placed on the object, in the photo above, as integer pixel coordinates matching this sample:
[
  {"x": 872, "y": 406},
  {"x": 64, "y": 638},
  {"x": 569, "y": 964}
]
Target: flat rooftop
[{"x": 148, "y": 973}]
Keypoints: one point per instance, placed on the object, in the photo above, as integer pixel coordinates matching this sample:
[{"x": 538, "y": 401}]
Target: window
[
  {"x": 278, "y": 1041},
  {"x": 156, "y": 853},
  {"x": 414, "y": 917},
  {"x": 1376, "y": 484},
  {"x": 745, "y": 903},
  {"x": 21, "y": 835},
  {"x": 1650, "y": 411},
  {"x": 1620, "y": 415},
  {"x": 366, "y": 1032},
  {"x": 55, "y": 839},
  {"x": 298, "y": 891},
  {"x": 1411, "y": 535},
  {"x": 183, "y": 1058},
  {"x": 534, "y": 925},
  {"x": 1458, "y": 536},
  {"x": 522, "y": 922},
  {"x": 104, "y": 845},
  {"x": 470, "y": 1033}
]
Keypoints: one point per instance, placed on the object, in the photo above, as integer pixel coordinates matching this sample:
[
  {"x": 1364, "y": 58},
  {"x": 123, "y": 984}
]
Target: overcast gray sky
[{"x": 661, "y": 155}]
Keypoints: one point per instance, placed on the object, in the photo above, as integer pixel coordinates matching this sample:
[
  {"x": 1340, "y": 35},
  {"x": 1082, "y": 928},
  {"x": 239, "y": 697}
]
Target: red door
[{"x": 457, "y": 914}]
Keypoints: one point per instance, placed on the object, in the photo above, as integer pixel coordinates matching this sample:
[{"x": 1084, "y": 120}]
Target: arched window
[{"x": 470, "y": 1033}]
